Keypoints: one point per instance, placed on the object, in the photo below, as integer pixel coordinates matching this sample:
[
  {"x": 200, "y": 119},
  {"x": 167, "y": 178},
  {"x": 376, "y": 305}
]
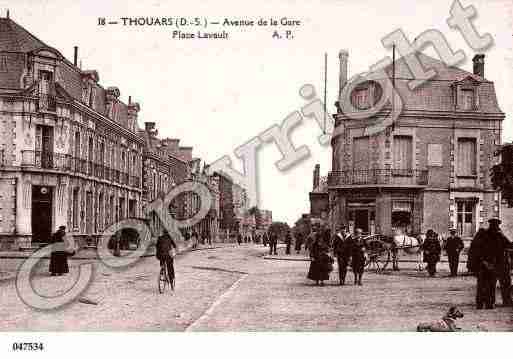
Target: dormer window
[
  {"x": 45, "y": 82},
  {"x": 91, "y": 96},
  {"x": 467, "y": 99},
  {"x": 361, "y": 98},
  {"x": 465, "y": 92},
  {"x": 46, "y": 92},
  {"x": 366, "y": 95}
]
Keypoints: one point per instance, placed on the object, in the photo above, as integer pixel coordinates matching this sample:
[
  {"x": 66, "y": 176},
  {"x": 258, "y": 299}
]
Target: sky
[{"x": 216, "y": 95}]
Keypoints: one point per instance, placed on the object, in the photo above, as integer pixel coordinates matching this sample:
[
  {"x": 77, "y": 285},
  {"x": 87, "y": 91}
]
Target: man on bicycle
[{"x": 164, "y": 246}]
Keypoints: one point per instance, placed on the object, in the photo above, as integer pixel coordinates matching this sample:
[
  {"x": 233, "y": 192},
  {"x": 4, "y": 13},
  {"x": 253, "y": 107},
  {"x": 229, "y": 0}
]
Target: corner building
[
  {"x": 69, "y": 150},
  {"x": 430, "y": 170}
]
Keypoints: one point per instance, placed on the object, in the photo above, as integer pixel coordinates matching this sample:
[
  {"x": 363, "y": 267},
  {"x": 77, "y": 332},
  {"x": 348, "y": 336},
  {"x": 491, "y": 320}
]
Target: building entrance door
[
  {"x": 42, "y": 206},
  {"x": 362, "y": 214},
  {"x": 361, "y": 219},
  {"x": 465, "y": 221}
]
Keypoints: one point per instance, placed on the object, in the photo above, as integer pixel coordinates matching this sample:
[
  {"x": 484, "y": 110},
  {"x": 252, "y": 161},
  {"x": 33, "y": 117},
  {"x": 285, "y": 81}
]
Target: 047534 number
[{"x": 27, "y": 346}]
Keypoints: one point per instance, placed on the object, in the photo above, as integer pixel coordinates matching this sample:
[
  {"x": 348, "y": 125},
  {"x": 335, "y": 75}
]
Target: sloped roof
[
  {"x": 15, "y": 38},
  {"x": 436, "y": 93},
  {"x": 443, "y": 72}
]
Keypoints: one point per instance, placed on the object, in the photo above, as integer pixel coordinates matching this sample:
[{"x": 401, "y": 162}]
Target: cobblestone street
[{"x": 235, "y": 289}]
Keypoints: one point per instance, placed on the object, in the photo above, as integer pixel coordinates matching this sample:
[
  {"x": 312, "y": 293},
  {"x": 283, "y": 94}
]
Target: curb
[
  {"x": 272, "y": 258},
  {"x": 186, "y": 249},
  {"x": 179, "y": 253}
]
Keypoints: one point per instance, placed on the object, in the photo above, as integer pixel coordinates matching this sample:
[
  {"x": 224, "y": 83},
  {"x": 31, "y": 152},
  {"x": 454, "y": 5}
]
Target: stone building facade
[
  {"x": 226, "y": 205},
  {"x": 209, "y": 225},
  {"x": 164, "y": 167},
  {"x": 431, "y": 168},
  {"x": 240, "y": 207},
  {"x": 69, "y": 150}
]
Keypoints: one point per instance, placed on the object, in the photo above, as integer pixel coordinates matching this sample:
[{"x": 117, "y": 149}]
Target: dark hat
[
  {"x": 62, "y": 227},
  {"x": 495, "y": 220}
]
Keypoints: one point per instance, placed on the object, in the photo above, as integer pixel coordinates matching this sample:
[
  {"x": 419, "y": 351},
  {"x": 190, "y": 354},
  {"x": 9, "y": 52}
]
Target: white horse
[{"x": 410, "y": 245}]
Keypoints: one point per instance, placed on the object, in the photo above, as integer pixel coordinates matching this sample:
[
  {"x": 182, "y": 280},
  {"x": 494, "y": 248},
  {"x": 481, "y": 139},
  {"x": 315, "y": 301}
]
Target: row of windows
[
  {"x": 466, "y": 156},
  {"x": 105, "y": 211},
  {"x": 97, "y": 152},
  {"x": 369, "y": 93}
]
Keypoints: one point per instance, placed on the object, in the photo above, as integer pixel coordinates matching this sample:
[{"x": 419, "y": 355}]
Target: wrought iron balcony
[
  {"x": 46, "y": 103},
  {"x": 63, "y": 162},
  {"x": 399, "y": 177},
  {"x": 123, "y": 178},
  {"x": 46, "y": 160},
  {"x": 134, "y": 181}
]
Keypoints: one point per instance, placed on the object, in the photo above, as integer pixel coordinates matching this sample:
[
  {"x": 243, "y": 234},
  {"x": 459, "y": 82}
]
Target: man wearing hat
[
  {"x": 342, "y": 250},
  {"x": 492, "y": 264},
  {"x": 453, "y": 247},
  {"x": 503, "y": 260}
]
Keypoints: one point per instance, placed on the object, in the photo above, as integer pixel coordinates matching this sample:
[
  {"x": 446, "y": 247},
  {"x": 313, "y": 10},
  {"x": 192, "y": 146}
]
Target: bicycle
[{"x": 164, "y": 279}]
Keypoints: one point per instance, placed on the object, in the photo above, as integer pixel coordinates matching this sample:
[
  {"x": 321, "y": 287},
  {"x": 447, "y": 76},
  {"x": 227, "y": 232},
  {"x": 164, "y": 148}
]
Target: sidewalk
[
  {"x": 12, "y": 259},
  {"x": 91, "y": 253}
]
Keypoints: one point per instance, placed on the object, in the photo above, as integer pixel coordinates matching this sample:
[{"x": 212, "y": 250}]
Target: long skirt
[
  {"x": 319, "y": 270},
  {"x": 358, "y": 263},
  {"x": 59, "y": 262}
]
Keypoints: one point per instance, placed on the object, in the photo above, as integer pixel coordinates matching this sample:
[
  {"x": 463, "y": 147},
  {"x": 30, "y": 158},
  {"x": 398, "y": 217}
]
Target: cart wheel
[{"x": 384, "y": 259}]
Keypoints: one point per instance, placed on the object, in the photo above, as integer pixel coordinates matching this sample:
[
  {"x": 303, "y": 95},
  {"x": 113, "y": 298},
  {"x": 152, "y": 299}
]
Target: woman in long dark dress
[
  {"x": 321, "y": 264},
  {"x": 358, "y": 256},
  {"x": 59, "y": 257},
  {"x": 431, "y": 251}
]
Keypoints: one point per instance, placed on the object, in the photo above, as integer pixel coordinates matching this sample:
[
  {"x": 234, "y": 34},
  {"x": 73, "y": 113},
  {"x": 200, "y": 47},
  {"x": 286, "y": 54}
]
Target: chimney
[
  {"x": 129, "y": 100},
  {"x": 478, "y": 61},
  {"x": 316, "y": 175},
  {"x": 185, "y": 153},
  {"x": 172, "y": 146},
  {"x": 149, "y": 126},
  {"x": 342, "y": 56},
  {"x": 75, "y": 55}
]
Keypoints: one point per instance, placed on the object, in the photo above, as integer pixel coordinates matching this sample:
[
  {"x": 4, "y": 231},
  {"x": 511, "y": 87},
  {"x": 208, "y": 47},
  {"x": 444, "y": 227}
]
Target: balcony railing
[
  {"x": 46, "y": 103},
  {"x": 48, "y": 160},
  {"x": 134, "y": 181},
  {"x": 378, "y": 177},
  {"x": 63, "y": 162}
]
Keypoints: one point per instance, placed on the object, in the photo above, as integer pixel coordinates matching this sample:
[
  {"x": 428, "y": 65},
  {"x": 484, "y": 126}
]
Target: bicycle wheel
[{"x": 163, "y": 280}]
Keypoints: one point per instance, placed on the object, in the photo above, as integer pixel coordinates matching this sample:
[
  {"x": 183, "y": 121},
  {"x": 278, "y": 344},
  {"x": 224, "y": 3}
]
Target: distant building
[
  {"x": 240, "y": 206},
  {"x": 164, "y": 168},
  {"x": 319, "y": 198},
  {"x": 226, "y": 204},
  {"x": 431, "y": 169},
  {"x": 266, "y": 219},
  {"x": 209, "y": 225}
]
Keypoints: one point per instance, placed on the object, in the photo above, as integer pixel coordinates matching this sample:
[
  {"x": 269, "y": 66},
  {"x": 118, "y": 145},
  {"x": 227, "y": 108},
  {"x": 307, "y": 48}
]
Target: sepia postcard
[{"x": 336, "y": 166}]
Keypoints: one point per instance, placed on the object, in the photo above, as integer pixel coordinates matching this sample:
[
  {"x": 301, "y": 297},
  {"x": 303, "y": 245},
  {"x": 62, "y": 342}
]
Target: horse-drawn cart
[{"x": 381, "y": 250}]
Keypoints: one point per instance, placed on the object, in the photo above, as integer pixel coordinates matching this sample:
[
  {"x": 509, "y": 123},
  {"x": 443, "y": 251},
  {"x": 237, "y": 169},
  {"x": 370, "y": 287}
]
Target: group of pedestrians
[
  {"x": 349, "y": 249},
  {"x": 489, "y": 259}
]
